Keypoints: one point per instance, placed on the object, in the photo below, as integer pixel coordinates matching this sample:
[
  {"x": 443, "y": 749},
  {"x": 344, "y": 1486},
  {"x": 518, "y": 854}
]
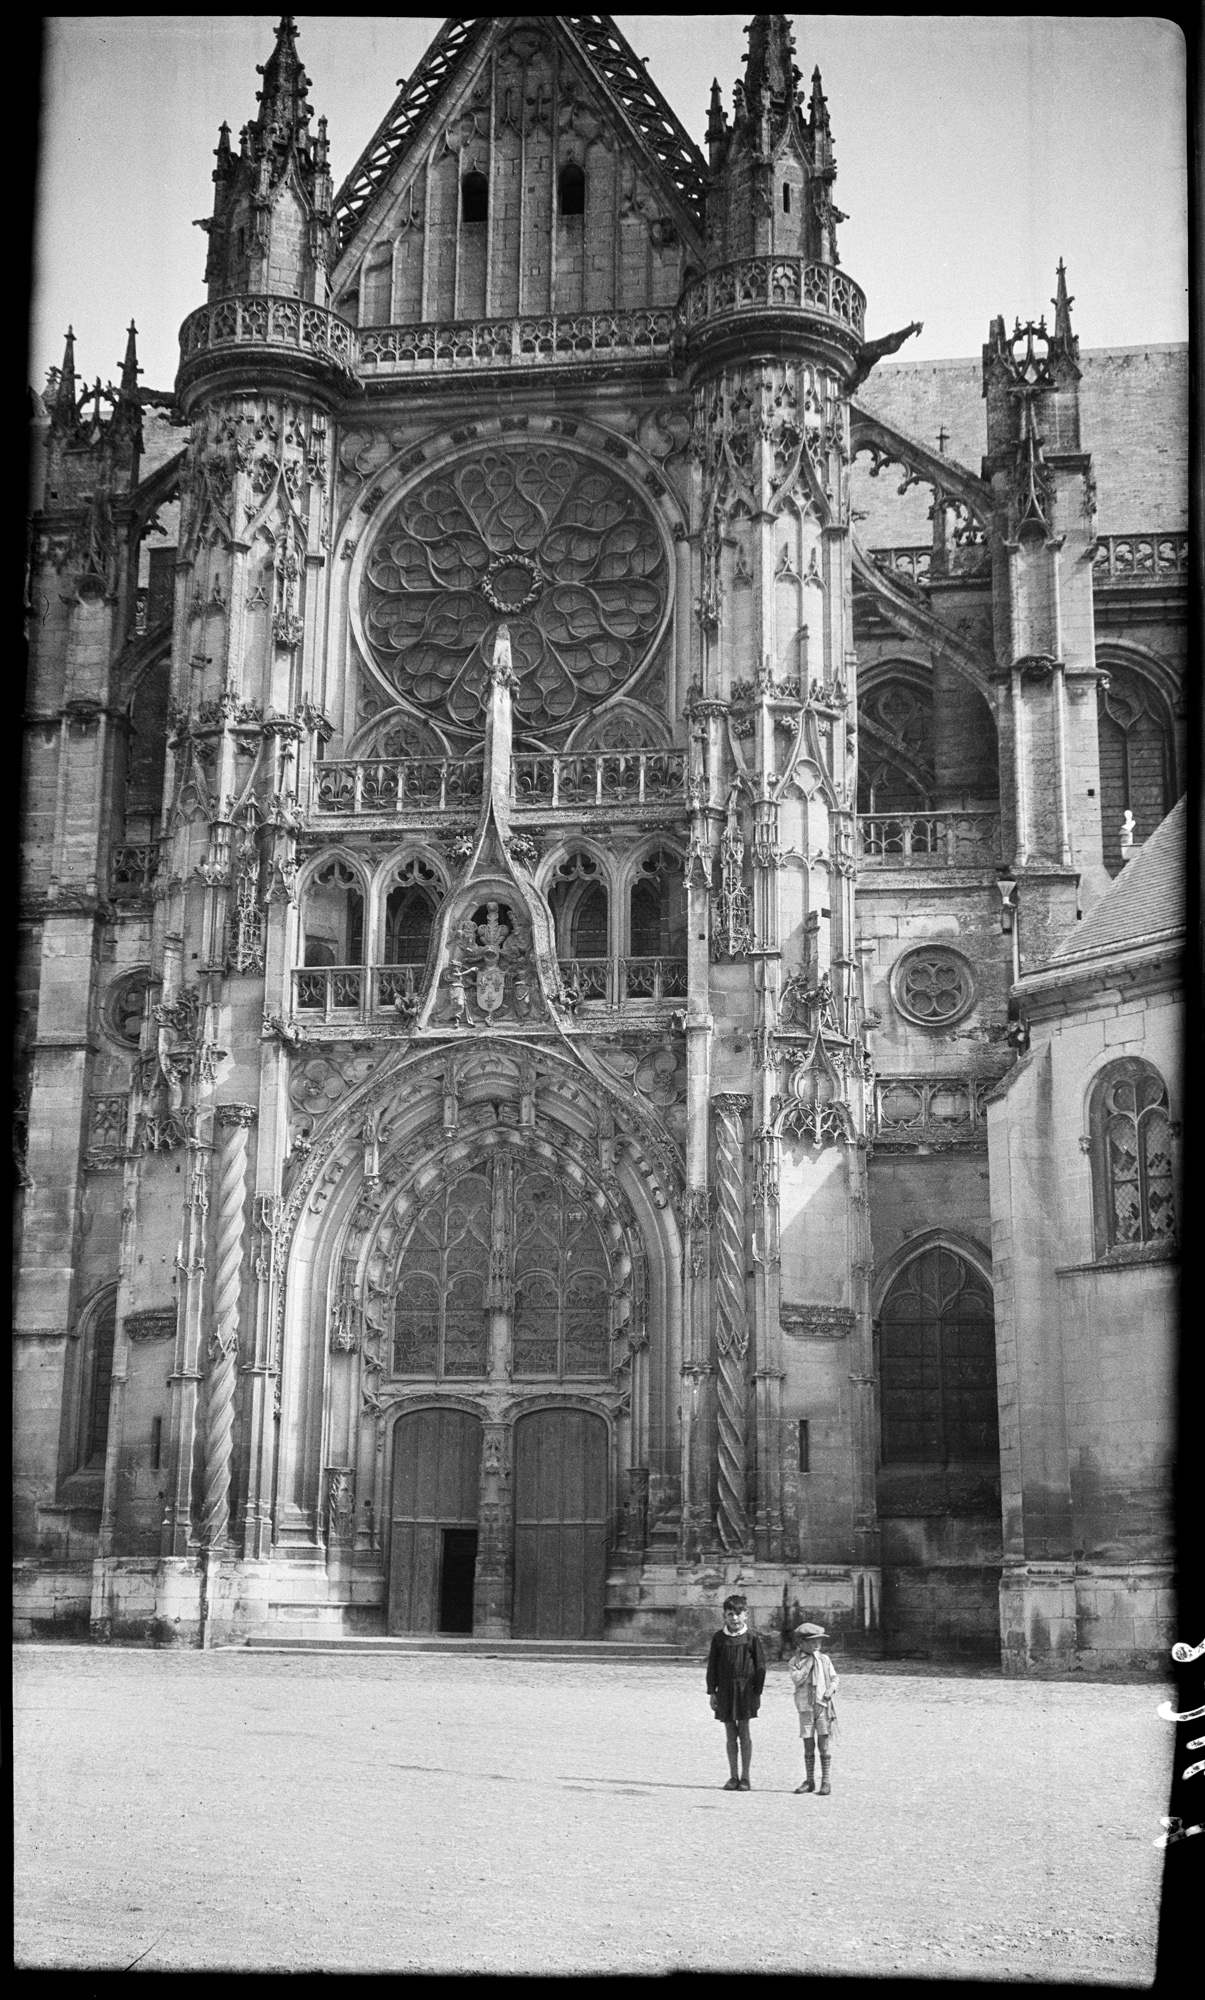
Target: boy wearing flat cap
[
  {"x": 736, "y": 1675},
  {"x": 815, "y": 1682}
]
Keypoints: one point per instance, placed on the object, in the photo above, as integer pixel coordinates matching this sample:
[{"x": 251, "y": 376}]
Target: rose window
[
  {"x": 933, "y": 987},
  {"x": 559, "y": 548}
]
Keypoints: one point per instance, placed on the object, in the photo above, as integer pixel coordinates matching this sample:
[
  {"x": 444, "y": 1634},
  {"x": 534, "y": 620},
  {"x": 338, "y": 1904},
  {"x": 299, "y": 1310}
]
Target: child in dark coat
[{"x": 736, "y": 1675}]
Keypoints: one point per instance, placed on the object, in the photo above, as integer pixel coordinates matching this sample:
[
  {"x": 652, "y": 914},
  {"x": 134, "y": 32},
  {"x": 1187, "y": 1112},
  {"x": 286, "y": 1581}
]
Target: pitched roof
[
  {"x": 1145, "y": 904},
  {"x": 604, "y": 47}
]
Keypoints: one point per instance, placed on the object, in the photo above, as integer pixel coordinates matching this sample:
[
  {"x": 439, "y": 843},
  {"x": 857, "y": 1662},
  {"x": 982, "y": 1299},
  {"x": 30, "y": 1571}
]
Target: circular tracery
[{"x": 562, "y": 548}]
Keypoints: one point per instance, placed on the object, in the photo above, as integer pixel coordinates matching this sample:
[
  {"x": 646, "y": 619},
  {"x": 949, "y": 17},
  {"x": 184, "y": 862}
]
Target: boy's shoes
[
  {"x": 744, "y": 1785},
  {"x": 733, "y": 1785},
  {"x": 825, "y": 1788},
  {"x": 808, "y": 1785}
]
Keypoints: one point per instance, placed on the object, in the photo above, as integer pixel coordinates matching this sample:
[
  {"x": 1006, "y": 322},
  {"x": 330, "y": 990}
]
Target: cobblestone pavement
[{"x": 235, "y": 1810}]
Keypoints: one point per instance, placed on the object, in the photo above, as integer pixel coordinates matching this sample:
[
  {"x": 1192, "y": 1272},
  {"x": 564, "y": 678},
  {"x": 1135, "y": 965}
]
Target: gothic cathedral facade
[{"x": 524, "y": 909}]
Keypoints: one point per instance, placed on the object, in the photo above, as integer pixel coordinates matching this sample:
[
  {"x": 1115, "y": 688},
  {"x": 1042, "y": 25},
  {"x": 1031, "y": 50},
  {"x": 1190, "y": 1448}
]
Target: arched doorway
[
  {"x": 433, "y": 1530},
  {"x": 560, "y": 1473}
]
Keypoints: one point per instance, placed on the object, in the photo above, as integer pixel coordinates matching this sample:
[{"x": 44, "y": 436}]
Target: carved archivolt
[{"x": 541, "y": 536}]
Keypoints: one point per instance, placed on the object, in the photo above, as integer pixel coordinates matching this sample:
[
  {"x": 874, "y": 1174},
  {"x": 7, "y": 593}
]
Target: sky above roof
[{"x": 972, "y": 152}]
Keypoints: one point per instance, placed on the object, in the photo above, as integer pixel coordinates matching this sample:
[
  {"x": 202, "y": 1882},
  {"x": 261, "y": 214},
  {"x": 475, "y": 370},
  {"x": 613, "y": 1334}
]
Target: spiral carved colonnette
[
  {"x": 223, "y": 1344},
  {"x": 732, "y": 1333}
]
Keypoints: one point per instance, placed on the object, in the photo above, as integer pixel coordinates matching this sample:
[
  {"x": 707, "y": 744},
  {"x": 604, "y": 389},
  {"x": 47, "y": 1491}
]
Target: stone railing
[
  {"x": 355, "y": 992},
  {"x": 929, "y": 840},
  {"x": 600, "y": 778},
  {"x": 132, "y": 871},
  {"x": 760, "y": 282},
  {"x": 1140, "y": 559},
  {"x": 616, "y": 980},
  {"x": 264, "y": 320},
  {"x": 541, "y": 340},
  {"x": 929, "y": 1110},
  {"x": 397, "y": 784},
  {"x": 914, "y": 563}
]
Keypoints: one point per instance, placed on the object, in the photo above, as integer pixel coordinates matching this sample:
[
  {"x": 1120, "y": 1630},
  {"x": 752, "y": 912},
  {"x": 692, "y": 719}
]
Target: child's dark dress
[{"x": 736, "y": 1675}]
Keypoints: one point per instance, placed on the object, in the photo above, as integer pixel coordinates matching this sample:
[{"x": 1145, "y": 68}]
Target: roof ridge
[{"x": 1149, "y": 885}]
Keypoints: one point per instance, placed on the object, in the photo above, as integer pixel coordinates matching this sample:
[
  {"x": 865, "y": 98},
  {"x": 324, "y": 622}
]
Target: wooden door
[
  {"x": 560, "y": 1525},
  {"x": 436, "y": 1466}
]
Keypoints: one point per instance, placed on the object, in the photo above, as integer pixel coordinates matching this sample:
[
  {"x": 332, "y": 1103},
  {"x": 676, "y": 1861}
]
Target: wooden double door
[{"x": 559, "y": 1523}]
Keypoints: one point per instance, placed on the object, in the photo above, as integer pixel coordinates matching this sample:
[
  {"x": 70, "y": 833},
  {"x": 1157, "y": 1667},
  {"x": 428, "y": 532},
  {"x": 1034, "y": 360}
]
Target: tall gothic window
[
  {"x": 1135, "y": 760},
  {"x": 334, "y": 917},
  {"x": 474, "y": 198},
  {"x": 97, "y": 1383},
  {"x": 938, "y": 1363},
  {"x": 440, "y": 1325},
  {"x": 895, "y": 765},
  {"x": 658, "y": 908},
  {"x": 1130, "y": 1138},
  {"x": 571, "y": 190},
  {"x": 561, "y": 1282}
]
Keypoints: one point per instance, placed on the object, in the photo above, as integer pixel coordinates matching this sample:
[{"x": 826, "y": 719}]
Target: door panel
[
  {"x": 436, "y": 1467},
  {"x": 560, "y": 1525}
]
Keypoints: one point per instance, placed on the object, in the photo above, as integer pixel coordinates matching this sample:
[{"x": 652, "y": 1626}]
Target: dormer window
[
  {"x": 571, "y": 190},
  {"x": 474, "y": 198}
]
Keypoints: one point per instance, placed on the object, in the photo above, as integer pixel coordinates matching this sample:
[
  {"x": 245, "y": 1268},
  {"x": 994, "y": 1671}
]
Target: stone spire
[
  {"x": 1062, "y": 305},
  {"x": 818, "y": 125},
  {"x": 284, "y": 110},
  {"x": 64, "y": 408},
  {"x": 770, "y": 72}
]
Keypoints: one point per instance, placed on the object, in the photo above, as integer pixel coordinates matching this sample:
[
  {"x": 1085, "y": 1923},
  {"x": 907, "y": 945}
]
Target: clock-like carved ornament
[{"x": 558, "y": 546}]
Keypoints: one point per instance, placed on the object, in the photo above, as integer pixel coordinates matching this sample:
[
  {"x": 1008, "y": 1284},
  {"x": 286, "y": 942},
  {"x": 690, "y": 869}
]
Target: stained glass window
[
  {"x": 1131, "y": 1157},
  {"x": 440, "y": 1325},
  {"x": 938, "y": 1363}
]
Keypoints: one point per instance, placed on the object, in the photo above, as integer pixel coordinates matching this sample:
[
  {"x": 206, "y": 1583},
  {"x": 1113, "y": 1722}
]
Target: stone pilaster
[{"x": 731, "y": 1322}]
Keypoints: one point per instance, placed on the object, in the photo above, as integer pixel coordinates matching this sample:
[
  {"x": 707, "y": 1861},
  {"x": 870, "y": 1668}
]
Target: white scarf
[{"x": 741, "y": 1631}]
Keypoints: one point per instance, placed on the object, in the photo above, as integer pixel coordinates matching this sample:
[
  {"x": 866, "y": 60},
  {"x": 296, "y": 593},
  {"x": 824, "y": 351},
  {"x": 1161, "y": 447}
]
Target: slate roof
[
  {"x": 603, "y": 45},
  {"x": 1145, "y": 904}
]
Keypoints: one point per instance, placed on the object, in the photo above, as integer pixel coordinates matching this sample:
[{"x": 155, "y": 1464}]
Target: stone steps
[{"x": 280, "y": 1640}]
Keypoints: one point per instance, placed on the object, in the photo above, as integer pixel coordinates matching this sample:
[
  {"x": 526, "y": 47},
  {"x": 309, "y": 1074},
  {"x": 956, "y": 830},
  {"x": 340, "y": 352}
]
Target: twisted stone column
[
  {"x": 731, "y": 1322},
  {"x": 234, "y": 1120}
]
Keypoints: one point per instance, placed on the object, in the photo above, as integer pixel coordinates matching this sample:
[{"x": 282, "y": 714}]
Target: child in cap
[
  {"x": 736, "y": 1675},
  {"x": 815, "y": 1682}
]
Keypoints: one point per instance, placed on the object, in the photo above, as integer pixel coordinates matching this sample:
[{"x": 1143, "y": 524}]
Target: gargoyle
[{"x": 872, "y": 351}]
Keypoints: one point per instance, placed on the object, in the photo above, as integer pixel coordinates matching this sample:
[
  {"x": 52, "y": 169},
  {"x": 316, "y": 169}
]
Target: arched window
[
  {"x": 571, "y": 190},
  {"x": 561, "y": 1282},
  {"x": 786, "y": 197},
  {"x": 1135, "y": 760},
  {"x": 334, "y": 917},
  {"x": 581, "y": 909},
  {"x": 474, "y": 198},
  {"x": 658, "y": 907},
  {"x": 895, "y": 768},
  {"x": 590, "y": 924},
  {"x": 1130, "y": 1139},
  {"x": 97, "y": 1383},
  {"x": 938, "y": 1363},
  {"x": 410, "y": 909},
  {"x": 440, "y": 1325}
]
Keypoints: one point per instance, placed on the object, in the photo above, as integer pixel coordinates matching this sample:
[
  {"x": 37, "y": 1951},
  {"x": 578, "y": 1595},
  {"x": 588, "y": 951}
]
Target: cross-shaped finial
[{"x": 943, "y": 439}]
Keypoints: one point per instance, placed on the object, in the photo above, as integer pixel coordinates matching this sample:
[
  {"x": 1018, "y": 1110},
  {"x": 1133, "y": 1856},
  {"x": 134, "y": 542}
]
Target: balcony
[
  {"x": 930, "y": 1111},
  {"x": 615, "y": 981},
  {"x": 1125, "y": 559},
  {"x": 268, "y": 322},
  {"x": 758, "y": 284},
  {"x": 374, "y": 785},
  {"x": 929, "y": 840},
  {"x": 132, "y": 872},
  {"x": 344, "y": 994},
  {"x": 541, "y": 341}
]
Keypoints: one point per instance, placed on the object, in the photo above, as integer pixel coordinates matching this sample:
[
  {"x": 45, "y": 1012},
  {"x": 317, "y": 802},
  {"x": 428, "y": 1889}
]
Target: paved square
[{"x": 258, "y": 1811}]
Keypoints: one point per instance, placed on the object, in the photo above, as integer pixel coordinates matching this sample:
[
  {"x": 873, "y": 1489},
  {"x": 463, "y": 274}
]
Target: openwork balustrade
[
  {"x": 758, "y": 282},
  {"x": 1140, "y": 559},
  {"x": 263, "y": 320},
  {"x": 399, "y": 784},
  {"x": 929, "y": 840},
  {"x": 355, "y": 992},
  {"x": 600, "y": 778},
  {"x": 540, "y": 339},
  {"x": 614, "y": 980},
  {"x": 913, "y": 562},
  {"x": 133, "y": 870},
  {"x": 930, "y": 1110}
]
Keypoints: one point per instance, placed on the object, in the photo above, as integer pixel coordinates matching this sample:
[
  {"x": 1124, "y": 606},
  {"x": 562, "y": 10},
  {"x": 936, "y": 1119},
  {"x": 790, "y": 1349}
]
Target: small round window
[
  {"x": 124, "y": 1007},
  {"x": 933, "y": 986}
]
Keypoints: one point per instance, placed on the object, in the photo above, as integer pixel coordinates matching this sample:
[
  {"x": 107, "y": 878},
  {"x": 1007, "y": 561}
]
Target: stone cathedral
[{"x": 599, "y": 985}]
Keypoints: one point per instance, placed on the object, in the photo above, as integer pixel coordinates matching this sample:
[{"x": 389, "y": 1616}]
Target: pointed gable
[{"x": 528, "y": 167}]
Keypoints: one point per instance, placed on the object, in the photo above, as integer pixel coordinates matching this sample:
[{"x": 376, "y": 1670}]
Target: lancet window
[
  {"x": 410, "y": 908},
  {"x": 1130, "y": 1139},
  {"x": 97, "y": 1383},
  {"x": 938, "y": 1363},
  {"x": 658, "y": 907},
  {"x": 474, "y": 198},
  {"x": 440, "y": 1325},
  {"x": 334, "y": 917},
  {"x": 561, "y": 1282},
  {"x": 571, "y": 190},
  {"x": 1136, "y": 760}
]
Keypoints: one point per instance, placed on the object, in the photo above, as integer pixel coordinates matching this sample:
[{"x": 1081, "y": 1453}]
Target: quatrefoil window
[
  {"x": 933, "y": 987},
  {"x": 563, "y": 549}
]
